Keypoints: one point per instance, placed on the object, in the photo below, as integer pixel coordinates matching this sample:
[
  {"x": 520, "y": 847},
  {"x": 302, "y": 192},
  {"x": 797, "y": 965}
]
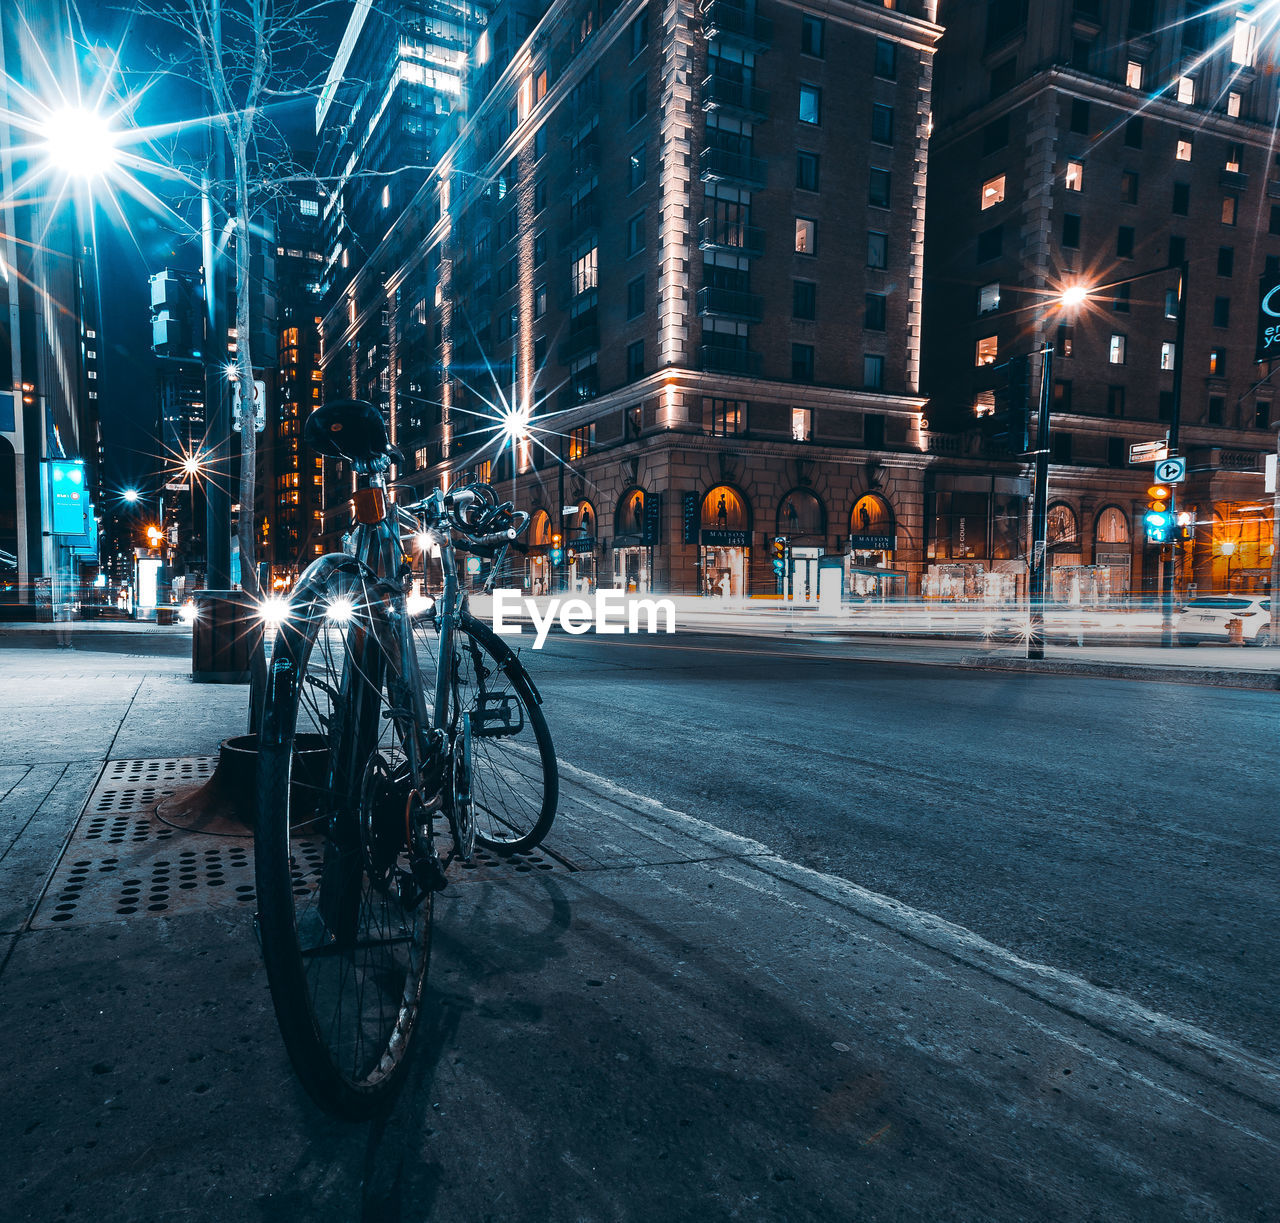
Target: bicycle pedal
[{"x": 428, "y": 874}]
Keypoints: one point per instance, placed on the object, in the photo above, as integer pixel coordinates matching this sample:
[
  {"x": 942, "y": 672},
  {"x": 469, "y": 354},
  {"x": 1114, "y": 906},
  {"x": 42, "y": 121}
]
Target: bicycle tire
[
  {"x": 346, "y": 958},
  {"x": 515, "y": 782}
]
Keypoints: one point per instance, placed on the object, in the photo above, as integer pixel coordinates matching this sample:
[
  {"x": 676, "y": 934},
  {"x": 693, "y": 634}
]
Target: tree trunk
[{"x": 247, "y": 532}]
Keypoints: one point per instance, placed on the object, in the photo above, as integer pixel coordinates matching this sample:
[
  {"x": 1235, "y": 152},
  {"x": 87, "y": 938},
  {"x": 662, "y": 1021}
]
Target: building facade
[
  {"x": 685, "y": 247},
  {"x": 1101, "y": 145}
]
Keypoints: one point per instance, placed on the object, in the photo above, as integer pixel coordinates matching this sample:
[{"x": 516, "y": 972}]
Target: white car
[{"x": 1209, "y": 619}]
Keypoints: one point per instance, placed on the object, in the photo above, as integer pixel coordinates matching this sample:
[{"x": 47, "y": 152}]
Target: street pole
[
  {"x": 1169, "y": 570},
  {"x": 216, "y": 397},
  {"x": 1040, "y": 511}
]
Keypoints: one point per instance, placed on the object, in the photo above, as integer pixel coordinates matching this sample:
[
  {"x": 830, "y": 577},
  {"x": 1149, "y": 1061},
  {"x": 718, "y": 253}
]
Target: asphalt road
[{"x": 1124, "y": 831}]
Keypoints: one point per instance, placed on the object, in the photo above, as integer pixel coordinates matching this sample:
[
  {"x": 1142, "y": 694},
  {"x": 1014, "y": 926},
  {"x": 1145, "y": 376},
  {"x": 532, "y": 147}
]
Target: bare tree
[{"x": 248, "y": 55}]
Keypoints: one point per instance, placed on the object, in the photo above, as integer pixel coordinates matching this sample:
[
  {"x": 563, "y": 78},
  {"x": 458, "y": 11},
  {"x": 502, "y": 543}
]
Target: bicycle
[{"x": 429, "y": 729}]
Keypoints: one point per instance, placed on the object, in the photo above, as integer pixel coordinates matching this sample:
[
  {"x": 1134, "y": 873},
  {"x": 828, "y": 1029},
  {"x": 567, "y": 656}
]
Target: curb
[{"x": 1265, "y": 681}]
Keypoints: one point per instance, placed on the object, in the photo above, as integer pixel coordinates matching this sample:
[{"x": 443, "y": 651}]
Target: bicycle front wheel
[
  {"x": 345, "y": 935},
  {"x": 515, "y": 783}
]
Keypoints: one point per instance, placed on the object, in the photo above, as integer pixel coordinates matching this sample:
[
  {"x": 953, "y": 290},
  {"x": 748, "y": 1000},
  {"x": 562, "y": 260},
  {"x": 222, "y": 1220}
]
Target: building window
[
  {"x": 804, "y": 299},
  {"x": 1080, "y": 116},
  {"x": 1115, "y": 452},
  {"x": 1168, "y": 355},
  {"x": 539, "y": 301},
  {"x": 1116, "y": 350},
  {"x": 728, "y": 416},
  {"x": 886, "y": 60},
  {"x": 1133, "y": 133},
  {"x": 1120, "y": 302},
  {"x": 1226, "y": 260},
  {"x": 878, "y": 188},
  {"x": 1183, "y": 150},
  {"x": 1124, "y": 242},
  {"x": 584, "y": 272},
  {"x": 1171, "y": 303},
  {"x": 635, "y": 234},
  {"x": 1217, "y": 363},
  {"x": 877, "y": 249},
  {"x": 1062, "y": 447},
  {"x": 1222, "y": 312},
  {"x": 801, "y": 424},
  {"x": 881, "y": 124},
  {"x": 810, "y": 104},
  {"x": 1262, "y": 415},
  {"x": 639, "y": 34},
  {"x": 1244, "y": 41},
  {"x": 635, "y": 361},
  {"x": 995, "y": 136},
  {"x": 1229, "y": 205},
  {"x": 991, "y": 243},
  {"x": 873, "y": 373},
  {"x": 635, "y": 297},
  {"x": 540, "y": 352},
  {"x": 1177, "y": 248},
  {"x": 581, "y": 442},
  {"x": 874, "y": 318},
  {"x": 1233, "y": 105},
  {"x": 992, "y": 192},
  {"x": 1064, "y": 346},
  {"x": 1070, "y": 230},
  {"x": 1133, "y": 74},
  {"x": 1186, "y": 90},
  {"x": 802, "y": 362},
  {"x": 636, "y": 168},
  {"x": 806, "y": 171},
  {"x": 1216, "y": 406},
  {"x": 309, "y": 208},
  {"x": 1115, "y": 401},
  {"x": 989, "y": 298},
  {"x": 806, "y": 236},
  {"x": 386, "y": 196},
  {"x": 1274, "y": 226},
  {"x": 1062, "y": 395},
  {"x": 1235, "y": 157},
  {"x": 1075, "y": 176},
  {"x": 986, "y": 350},
  {"x": 539, "y": 249},
  {"x": 1129, "y": 187},
  {"x": 637, "y": 101},
  {"x": 811, "y": 35},
  {"x": 1181, "y": 199}
]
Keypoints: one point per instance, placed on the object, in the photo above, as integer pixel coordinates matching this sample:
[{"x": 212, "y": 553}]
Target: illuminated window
[
  {"x": 1217, "y": 363},
  {"x": 1075, "y": 176},
  {"x": 989, "y": 298},
  {"x": 585, "y": 272},
  {"x": 1116, "y": 350},
  {"x": 1244, "y": 42},
  {"x": 1168, "y": 354},
  {"x": 1235, "y": 154},
  {"x": 581, "y": 442},
  {"x": 806, "y": 236},
  {"x": 1233, "y": 105},
  {"x": 993, "y": 191},
  {"x": 987, "y": 350},
  {"x": 810, "y": 104},
  {"x": 386, "y": 196},
  {"x": 801, "y": 424},
  {"x": 1183, "y": 152},
  {"x": 1229, "y": 205},
  {"x": 309, "y": 208},
  {"x": 1133, "y": 75},
  {"x": 1187, "y": 90}
]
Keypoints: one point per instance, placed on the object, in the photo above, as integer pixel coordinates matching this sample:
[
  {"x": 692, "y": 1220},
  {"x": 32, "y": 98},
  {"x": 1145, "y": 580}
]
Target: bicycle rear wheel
[
  {"x": 345, "y": 943},
  {"x": 515, "y": 783}
]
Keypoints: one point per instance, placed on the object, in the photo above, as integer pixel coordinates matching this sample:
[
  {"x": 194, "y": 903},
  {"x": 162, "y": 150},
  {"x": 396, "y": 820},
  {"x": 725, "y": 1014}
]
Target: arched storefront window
[
  {"x": 800, "y": 514},
  {"x": 540, "y": 529},
  {"x": 632, "y": 547},
  {"x": 628, "y": 519},
  {"x": 580, "y": 548},
  {"x": 584, "y": 521},
  {"x": 538, "y": 570},
  {"x": 1063, "y": 528},
  {"x": 725, "y": 542},
  {"x": 872, "y": 517},
  {"x": 873, "y": 539},
  {"x": 1113, "y": 526}
]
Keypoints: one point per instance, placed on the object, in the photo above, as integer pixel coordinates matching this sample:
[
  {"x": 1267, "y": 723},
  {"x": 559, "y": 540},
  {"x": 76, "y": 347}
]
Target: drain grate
[{"x": 122, "y": 861}]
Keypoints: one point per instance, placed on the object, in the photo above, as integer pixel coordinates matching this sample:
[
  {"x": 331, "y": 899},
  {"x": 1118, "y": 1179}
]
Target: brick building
[
  {"x": 688, "y": 245},
  {"x": 1093, "y": 143}
]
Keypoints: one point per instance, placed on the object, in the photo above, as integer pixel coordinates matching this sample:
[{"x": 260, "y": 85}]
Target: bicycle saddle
[{"x": 347, "y": 429}]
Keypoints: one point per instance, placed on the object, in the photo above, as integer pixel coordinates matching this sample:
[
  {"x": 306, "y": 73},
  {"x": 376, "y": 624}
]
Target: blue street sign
[{"x": 68, "y": 496}]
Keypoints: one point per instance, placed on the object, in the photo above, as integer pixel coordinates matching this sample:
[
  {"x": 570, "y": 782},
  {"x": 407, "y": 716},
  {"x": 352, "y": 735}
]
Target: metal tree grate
[{"x": 122, "y": 861}]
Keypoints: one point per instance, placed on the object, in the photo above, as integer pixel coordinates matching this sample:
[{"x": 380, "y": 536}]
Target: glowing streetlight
[
  {"x": 1074, "y": 295},
  {"x": 80, "y": 142},
  {"x": 132, "y": 496},
  {"x": 192, "y": 466}
]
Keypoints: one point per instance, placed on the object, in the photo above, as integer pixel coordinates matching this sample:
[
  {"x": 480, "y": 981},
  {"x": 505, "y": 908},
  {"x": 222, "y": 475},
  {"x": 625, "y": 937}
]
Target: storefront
[
  {"x": 869, "y": 554},
  {"x": 635, "y": 531},
  {"x": 580, "y": 549},
  {"x": 1113, "y": 551},
  {"x": 538, "y": 566},
  {"x": 1241, "y": 547},
  {"x": 802, "y": 521},
  {"x": 975, "y": 527},
  {"x": 724, "y": 542}
]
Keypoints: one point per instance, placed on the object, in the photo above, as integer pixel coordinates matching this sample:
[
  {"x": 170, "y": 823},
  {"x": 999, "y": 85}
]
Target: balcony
[
  {"x": 733, "y": 24},
  {"x": 584, "y": 163},
  {"x": 720, "y": 165},
  {"x": 717, "y": 360},
  {"x": 730, "y": 303},
  {"x": 731, "y": 236},
  {"x": 734, "y": 98},
  {"x": 579, "y": 343},
  {"x": 582, "y": 223}
]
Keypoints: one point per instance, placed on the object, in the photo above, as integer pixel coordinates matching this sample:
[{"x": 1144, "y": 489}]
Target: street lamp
[
  {"x": 81, "y": 142},
  {"x": 1076, "y": 295}
]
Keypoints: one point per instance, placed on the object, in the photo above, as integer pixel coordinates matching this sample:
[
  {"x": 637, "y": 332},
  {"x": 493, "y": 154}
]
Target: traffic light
[
  {"x": 1009, "y": 422},
  {"x": 1158, "y": 519},
  {"x": 780, "y": 554},
  {"x": 154, "y": 536},
  {"x": 177, "y": 315},
  {"x": 556, "y": 554},
  {"x": 1186, "y": 524}
]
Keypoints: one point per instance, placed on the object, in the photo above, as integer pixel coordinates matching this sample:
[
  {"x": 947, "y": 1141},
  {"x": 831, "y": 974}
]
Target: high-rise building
[
  {"x": 1098, "y": 146},
  {"x": 687, "y": 243},
  {"x": 49, "y": 444}
]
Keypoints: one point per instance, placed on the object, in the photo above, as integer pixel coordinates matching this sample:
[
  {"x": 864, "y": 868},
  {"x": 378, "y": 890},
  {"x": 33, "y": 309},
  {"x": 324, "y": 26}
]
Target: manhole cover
[{"x": 123, "y": 861}]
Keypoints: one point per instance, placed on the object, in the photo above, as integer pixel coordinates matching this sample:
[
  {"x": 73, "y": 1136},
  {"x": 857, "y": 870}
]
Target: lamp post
[{"x": 1076, "y": 295}]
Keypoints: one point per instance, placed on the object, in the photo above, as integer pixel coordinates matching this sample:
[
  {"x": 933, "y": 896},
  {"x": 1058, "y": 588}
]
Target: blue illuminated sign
[{"x": 68, "y": 496}]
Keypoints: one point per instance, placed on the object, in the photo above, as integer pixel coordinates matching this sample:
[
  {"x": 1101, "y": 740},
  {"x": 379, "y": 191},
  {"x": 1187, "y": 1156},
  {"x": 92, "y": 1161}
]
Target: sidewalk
[{"x": 653, "y": 1019}]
